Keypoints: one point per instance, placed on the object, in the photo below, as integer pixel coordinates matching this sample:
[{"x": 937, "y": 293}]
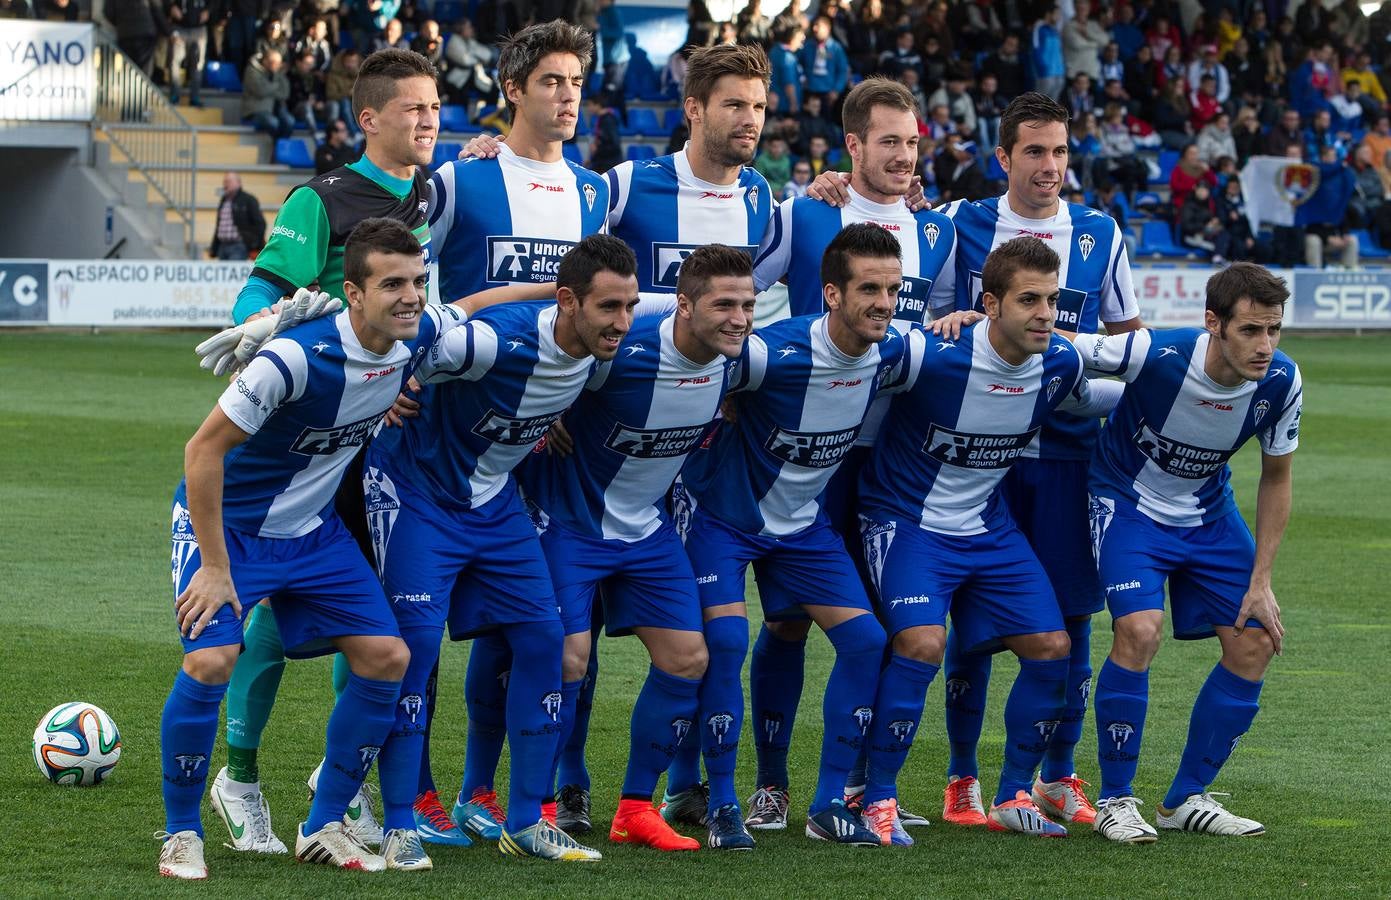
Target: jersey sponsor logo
[
  {"x": 1167, "y": 351},
  {"x": 1213, "y": 404},
  {"x": 1086, "y": 243},
  {"x": 668, "y": 257},
  {"x": 525, "y": 259},
  {"x": 516, "y": 432},
  {"x": 1006, "y": 388},
  {"x": 785, "y": 352},
  {"x": 682, "y": 382},
  {"x": 912, "y": 298},
  {"x": 410, "y": 598},
  {"x": 538, "y": 186},
  {"x": 837, "y": 383},
  {"x": 976, "y": 451},
  {"x": 318, "y": 348},
  {"x": 1122, "y": 586},
  {"x": 1041, "y": 235},
  {"x": 635, "y": 348},
  {"x": 913, "y": 600},
  {"x": 1278, "y": 370},
  {"x": 1177, "y": 458},
  {"x": 331, "y": 179},
  {"x": 716, "y": 195},
  {"x": 654, "y": 443},
  {"x": 1293, "y": 431},
  {"x": 322, "y": 441},
  {"x": 1070, "y": 305},
  {"x": 514, "y": 343},
  {"x": 289, "y": 233},
  {"x": 246, "y": 390},
  {"x": 379, "y": 373},
  {"x": 811, "y": 449}
]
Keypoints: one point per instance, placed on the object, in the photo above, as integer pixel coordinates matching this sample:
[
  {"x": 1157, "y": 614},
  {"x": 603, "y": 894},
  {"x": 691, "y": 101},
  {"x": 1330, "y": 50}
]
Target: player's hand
[
  {"x": 558, "y": 440},
  {"x": 407, "y": 405},
  {"x": 1259, "y": 604},
  {"x": 832, "y": 188},
  {"x": 483, "y": 146},
  {"x": 208, "y": 590},
  {"x": 302, "y": 307},
  {"x": 218, "y": 353},
  {"x": 915, "y": 198},
  {"x": 951, "y": 324}
]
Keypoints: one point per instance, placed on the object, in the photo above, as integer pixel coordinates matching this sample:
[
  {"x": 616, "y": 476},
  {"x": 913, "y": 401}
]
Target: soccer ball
[{"x": 76, "y": 743}]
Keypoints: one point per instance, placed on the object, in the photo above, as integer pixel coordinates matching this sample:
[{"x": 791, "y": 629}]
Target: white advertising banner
[
  {"x": 144, "y": 293},
  {"x": 1176, "y": 298},
  {"x": 46, "y": 71}
]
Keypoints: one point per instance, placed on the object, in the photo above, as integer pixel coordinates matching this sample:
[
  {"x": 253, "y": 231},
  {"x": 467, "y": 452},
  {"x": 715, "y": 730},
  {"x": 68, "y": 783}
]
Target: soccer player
[
  {"x": 453, "y": 540},
  {"x": 938, "y": 538},
  {"x": 1046, "y": 488},
  {"x": 1162, "y": 511},
  {"x": 509, "y": 220},
  {"x": 602, "y": 509},
  {"x": 397, "y": 106},
  {"x": 802, "y": 387},
  {"x": 881, "y": 136},
  {"x": 254, "y": 518}
]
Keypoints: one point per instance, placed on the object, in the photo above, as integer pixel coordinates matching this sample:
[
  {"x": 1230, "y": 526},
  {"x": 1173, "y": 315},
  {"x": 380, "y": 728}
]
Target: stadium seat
[
  {"x": 572, "y": 152},
  {"x": 1367, "y": 248},
  {"x": 673, "y": 119},
  {"x": 993, "y": 170},
  {"x": 639, "y": 152},
  {"x": 446, "y": 12},
  {"x": 1157, "y": 239},
  {"x": 1146, "y": 198},
  {"x": 1167, "y": 160},
  {"x": 444, "y": 152},
  {"x": 294, "y": 152},
  {"x": 643, "y": 121},
  {"x": 453, "y": 118},
  {"x": 222, "y": 76}
]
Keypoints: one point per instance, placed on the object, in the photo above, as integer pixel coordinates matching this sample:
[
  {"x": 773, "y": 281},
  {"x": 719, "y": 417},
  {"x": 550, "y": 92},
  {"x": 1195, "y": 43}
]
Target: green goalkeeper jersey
[{"x": 306, "y": 244}]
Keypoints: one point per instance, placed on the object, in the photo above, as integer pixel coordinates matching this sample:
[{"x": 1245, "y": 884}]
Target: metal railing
[{"x": 138, "y": 119}]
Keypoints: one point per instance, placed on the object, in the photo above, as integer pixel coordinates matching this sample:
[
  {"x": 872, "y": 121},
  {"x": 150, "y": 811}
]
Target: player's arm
[
  {"x": 774, "y": 254},
  {"x": 293, "y": 257},
  {"x": 1120, "y": 312},
  {"x": 509, "y": 293},
  {"x": 465, "y": 353},
  {"x": 1273, "y": 498},
  {"x": 1093, "y": 397},
  {"x": 211, "y": 586},
  {"x": 1113, "y": 356}
]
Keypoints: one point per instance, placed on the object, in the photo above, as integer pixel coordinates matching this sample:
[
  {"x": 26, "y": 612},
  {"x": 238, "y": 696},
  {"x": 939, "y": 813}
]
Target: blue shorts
[
  {"x": 992, "y": 583},
  {"x": 1048, "y": 500},
  {"x": 321, "y": 585},
  {"x": 1208, "y": 567},
  {"x": 810, "y": 567},
  {"x": 476, "y": 569},
  {"x": 645, "y": 584},
  {"x": 842, "y": 498}
]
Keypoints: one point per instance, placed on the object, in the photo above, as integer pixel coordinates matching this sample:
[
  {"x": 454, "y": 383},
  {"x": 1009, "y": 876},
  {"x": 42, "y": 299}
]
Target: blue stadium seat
[
  {"x": 584, "y": 124},
  {"x": 673, "y": 118},
  {"x": 294, "y": 153},
  {"x": 1146, "y": 198},
  {"x": 572, "y": 152},
  {"x": 993, "y": 170},
  {"x": 1167, "y": 160},
  {"x": 639, "y": 152},
  {"x": 643, "y": 121},
  {"x": 596, "y": 81},
  {"x": 453, "y": 118},
  {"x": 447, "y": 12},
  {"x": 1368, "y": 248},
  {"x": 222, "y": 76},
  {"x": 444, "y": 152},
  {"x": 1157, "y": 239}
]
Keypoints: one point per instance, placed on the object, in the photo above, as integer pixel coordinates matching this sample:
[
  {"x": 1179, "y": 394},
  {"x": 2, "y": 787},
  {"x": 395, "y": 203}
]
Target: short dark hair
[
  {"x": 872, "y": 92},
  {"x": 379, "y": 235},
  {"x": 1029, "y": 108},
  {"x": 1244, "y": 281},
  {"x": 1022, "y": 254},
  {"x": 376, "y": 79},
  {"x": 708, "y": 262},
  {"x": 708, "y": 65},
  {"x": 596, "y": 253},
  {"x": 523, "y": 51},
  {"x": 859, "y": 240}
]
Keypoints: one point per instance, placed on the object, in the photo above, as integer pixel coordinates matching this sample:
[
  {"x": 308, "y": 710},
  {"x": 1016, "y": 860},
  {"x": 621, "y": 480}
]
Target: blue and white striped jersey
[
  {"x": 665, "y": 212},
  {"x": 801, "y": 230},
  {"x": 800, "y": 407},
  {"x": 509, "y": 220},
  {"x": 639, "y": 417},
  {"x": 1164, "y": 450},
  {"x": 962, "y": 418},
  {"x": 309, "y": 399},
  {"x": 493, "y": 388},
  {"x": 1094, "y": 281}
]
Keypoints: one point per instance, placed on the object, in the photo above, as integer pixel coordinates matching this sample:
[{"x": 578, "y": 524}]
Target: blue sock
[
  {"x": 485, "y": 696},
  {"x": 533, "y": 717},
  {"x": 1058, "y": 759},
  {"x": 897, "y": 711},
  {"x": 722, "y": 704},
  {"x": 775, "y": 688},
  {"x": 848, "y": 705},
  {"x": 1031, "y": 715},
  {"x": 662, "y": 717},
  {"x": 1122, "y": 697},
  {"x": 187, "y": 731},
  {"x": 967, "y": 679},
  {"x": 569, "y": 693},
  {"x": 572, "y": 766},
  {"x": 398, "y": 765},
  {"x": 357, "y": 728},
  {"x": 426, "y": 780},
  {"x": 684, "y": 771},
  {"x": 1225, "y": 708}
]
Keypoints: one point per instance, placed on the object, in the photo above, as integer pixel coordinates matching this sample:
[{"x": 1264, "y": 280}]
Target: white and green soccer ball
[{"x": 76, "y": 743}]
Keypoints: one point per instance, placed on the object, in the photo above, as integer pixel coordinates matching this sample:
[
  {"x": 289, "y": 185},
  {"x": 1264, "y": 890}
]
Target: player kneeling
[{"x": 254, "y": 518}]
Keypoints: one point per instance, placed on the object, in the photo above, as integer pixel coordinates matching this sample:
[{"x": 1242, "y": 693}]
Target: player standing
[
  {"x": 1045, "y": 489},
  {"x": 254, "y": 517},
  {"x": 1163, "y": 512},
  {"x": 396, "y": 104}
]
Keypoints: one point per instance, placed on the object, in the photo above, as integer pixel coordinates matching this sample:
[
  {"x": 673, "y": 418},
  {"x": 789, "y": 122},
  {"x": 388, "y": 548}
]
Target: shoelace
[
  {"x": 551, "y": 833},
  {"x": 1211, "y": 797},
  {"x": 488, "y": 800},
  {"x": 435, "y": 814},
  {"x": 410, "y": 840},
  {"x": 369, "y": 794},
  {"x": 960, "y": 795},
  {"x": 765, "y": 801},
  {"x": 182, "y": 848},
  {"x": 1128, "y": 804}
]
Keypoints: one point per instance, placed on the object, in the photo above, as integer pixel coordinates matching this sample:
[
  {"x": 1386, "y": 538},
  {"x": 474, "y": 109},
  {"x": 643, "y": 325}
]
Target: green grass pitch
[{"x": 93, "y": 430}]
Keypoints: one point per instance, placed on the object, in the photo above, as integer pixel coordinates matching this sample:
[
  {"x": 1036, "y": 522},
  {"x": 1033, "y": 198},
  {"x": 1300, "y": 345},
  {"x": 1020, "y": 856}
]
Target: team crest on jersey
[
  {"x": 1053, "y": 386},
  {"x": 1262, "y": 407},
  {"x": 752, "y": 196},
  {"x": 931, "y": 231},
  {"x": 589, "y": 195},
  {"x": 1085, "y": 243}
]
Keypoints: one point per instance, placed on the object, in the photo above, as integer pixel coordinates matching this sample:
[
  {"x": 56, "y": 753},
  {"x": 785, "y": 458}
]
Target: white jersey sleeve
[
  {"x": 752, "y": 366},
  {"x": 1117, "y": 355},
  {"x": 276, "y": 375},
  {"x": 1118, "y": 302},
  {"x": 650, "y": 304},
  {"x": 905, "y": 372},
  {"x": 1093, "y": 397},
  {"x": 1282, "y": 437},
  {"x": 440, "y": 213},
  {"x": 775, "y": 250},
  {"x": 465, "y": 353},
  {"x": 620, "y": 184}
]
